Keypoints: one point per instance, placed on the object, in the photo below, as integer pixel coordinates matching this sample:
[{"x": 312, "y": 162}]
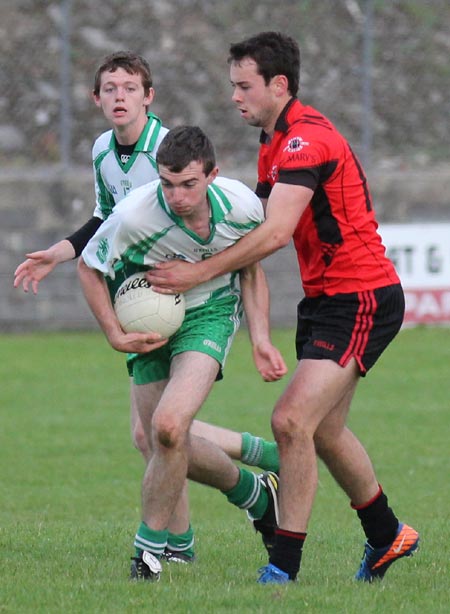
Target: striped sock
[
  {"x": 182, "y": 542},
  {"x": 258, "y": 452},
  {"x": 251, "y": 449},
  {"x": 150, "y": 540},
  {"x": 248, "y": 494}
]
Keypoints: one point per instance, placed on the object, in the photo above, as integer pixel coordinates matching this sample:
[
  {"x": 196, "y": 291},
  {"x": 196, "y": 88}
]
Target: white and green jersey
[
  {"x": 142, "y": 230},
  {"x": 114, "y": 180}
]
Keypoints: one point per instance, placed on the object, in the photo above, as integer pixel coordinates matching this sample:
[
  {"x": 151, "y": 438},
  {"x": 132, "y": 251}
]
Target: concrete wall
[
  {"x": 36, "y": 212},
  {"x": 40, "y": 209}
]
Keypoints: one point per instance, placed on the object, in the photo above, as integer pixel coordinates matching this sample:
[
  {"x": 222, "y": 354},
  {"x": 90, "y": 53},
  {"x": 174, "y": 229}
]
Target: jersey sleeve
[
  {"x": 251, "y": 209},
  {"x": 307, "y": 157},
  {"x": 107, "y": 245},
  {"x": 263, "y": 186},
  {"x": 256, "y": 210},
  {"x": 247, "y": 210}
]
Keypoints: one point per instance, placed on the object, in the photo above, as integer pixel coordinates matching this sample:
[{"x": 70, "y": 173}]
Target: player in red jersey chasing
[{"x": 316, "y": 193}]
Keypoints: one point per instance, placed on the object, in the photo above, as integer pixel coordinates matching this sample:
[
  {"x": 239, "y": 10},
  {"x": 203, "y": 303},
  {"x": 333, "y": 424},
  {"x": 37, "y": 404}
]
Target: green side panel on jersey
[{"x": 106, "y": 199}]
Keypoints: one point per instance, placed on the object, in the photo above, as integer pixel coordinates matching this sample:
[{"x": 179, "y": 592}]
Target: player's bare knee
[
  {"x": 168, "y": 432},
  {"x": 288, "y": 428},
  {"x": 283, "y": 427},
  {"x": 139, "y": 440}
]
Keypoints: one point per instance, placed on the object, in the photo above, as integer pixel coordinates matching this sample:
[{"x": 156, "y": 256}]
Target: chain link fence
[{"x": 379, "y": 70}]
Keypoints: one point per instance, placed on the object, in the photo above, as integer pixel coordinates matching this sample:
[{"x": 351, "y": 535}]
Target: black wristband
[{"x": 80, "y": 237}]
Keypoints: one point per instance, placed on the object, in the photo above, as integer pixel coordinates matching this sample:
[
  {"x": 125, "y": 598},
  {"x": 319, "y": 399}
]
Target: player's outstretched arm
[
  {"x": 39, "y": 264},
  {"x": 255, "y": 295},
  {"x": 97, "y": 296}
]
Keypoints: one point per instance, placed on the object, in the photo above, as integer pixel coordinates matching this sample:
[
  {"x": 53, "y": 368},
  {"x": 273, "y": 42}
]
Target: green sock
[
  {"x": 150, "y": 540},
  {"x": 182, "y": 542},
  {"x": 258, "y": 452},
  {"x": 248, "y": 494}
]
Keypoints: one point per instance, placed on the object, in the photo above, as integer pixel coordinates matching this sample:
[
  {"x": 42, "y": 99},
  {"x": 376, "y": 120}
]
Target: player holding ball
[
  {"x": 124, "y": 159},
  {"x": 190, "y": 213}
]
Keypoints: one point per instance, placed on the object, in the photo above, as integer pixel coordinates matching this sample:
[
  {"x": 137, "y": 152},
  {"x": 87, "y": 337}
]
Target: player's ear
[
  {"x": 149, "y": 97},
  {"x": 213, "y": 174},
  {"x": 280, "y": 85},
  {"x": 96, "y": 98}
]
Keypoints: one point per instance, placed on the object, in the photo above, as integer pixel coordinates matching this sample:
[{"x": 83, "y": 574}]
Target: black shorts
[{"x": 359, "y": 325}]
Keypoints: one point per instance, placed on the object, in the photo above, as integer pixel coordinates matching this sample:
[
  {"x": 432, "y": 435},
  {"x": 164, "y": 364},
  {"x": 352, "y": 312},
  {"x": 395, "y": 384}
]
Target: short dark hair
[
  {"x": 274, "y": 53},
  {"x": 133, "y": 63},
  {"x": 183, "y": 145}
]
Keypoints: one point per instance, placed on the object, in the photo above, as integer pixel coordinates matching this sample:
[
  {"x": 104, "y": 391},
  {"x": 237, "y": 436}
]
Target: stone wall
[{"x": 47, "y": 205}]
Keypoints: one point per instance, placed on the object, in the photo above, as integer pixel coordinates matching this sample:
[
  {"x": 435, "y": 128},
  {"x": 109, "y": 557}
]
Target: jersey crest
[{"x": 295, "y": 144}]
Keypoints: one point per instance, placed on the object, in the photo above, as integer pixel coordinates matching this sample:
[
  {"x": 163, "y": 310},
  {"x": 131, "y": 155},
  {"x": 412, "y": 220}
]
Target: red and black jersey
[{"x": 337, "y": 243}]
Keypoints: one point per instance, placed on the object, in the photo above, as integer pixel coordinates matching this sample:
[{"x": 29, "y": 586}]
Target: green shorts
[{"x": 209, "y": 329}]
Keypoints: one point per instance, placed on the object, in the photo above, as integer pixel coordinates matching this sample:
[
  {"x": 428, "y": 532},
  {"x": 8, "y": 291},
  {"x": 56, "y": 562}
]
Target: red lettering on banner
[{"x": 427, "y": 306}]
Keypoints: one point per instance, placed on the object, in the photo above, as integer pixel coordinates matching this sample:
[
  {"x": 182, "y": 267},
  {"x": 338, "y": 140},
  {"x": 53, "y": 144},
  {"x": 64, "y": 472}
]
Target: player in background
[
  {"x": 124, "y": 159},
  {"x": 317, "y": 194},
  {"x": 191, "y": 213}
]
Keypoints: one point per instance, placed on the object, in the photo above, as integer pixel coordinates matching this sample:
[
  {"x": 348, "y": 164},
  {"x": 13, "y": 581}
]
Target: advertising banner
[{"x": 421, "y": 255}]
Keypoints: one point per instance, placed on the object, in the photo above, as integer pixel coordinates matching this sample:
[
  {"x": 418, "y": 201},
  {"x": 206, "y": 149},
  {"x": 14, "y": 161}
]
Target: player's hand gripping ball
[{"x": 141, "y": 310}]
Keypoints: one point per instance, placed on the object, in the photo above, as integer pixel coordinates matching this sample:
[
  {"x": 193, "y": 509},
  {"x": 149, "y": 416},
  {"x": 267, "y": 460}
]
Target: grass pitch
[{"x": 70, "y": 484}]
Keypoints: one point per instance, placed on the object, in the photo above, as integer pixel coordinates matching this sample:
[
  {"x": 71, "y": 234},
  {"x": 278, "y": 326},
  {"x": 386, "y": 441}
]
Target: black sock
[
  {"x": 287, "y": 551},
  {"x": 378, "y": 521}
]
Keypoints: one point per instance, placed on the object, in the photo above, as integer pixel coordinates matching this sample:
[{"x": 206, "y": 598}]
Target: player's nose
[
  {"x": 235, "y": 96},
  {"x": 120, "y": 93},
  {"x": 177, "y": 195}
]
